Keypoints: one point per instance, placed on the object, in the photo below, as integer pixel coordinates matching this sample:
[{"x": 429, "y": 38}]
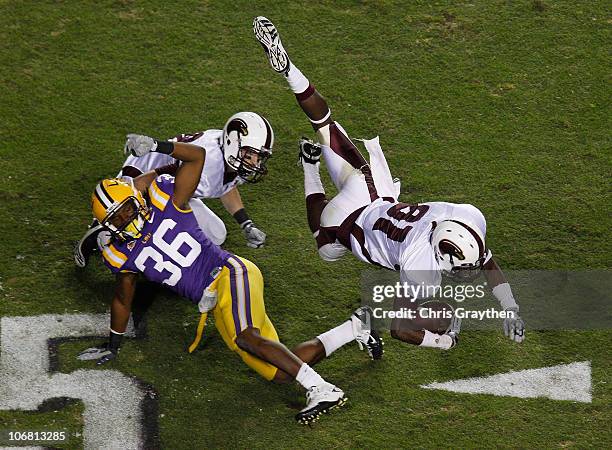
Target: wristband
[
  {"x": 241, "y": 216},
  {"x": 114, "y": 340},
  {"x": 164, "y": 147},
  {"x": 503, "y": 293}
]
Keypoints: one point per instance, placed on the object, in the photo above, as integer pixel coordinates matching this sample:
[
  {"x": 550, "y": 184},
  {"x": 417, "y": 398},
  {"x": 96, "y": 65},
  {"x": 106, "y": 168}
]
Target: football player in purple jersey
[
  {"x": 421, "y": 241},
  {"x": 154, "y": 233},
  {"x": 225, "y": 170}
]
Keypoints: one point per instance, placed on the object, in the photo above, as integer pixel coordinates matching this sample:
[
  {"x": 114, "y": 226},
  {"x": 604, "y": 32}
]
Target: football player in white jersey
[
  {"x": 236, "y": 155},
  {"x": 422, "y": 241}
]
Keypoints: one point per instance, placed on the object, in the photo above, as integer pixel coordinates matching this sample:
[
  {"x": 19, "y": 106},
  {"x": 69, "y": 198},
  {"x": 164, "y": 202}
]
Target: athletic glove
[
  {"x": 103, "y": 354},
  {"x": 208, "y": 301},
  {"x": 139, "y": 145},
  {"x": 514, "y": 327},
  {"x": 254, "y": 236}
]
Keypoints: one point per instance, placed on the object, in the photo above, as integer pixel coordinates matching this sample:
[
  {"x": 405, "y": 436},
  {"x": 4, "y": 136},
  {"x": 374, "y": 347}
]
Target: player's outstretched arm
[
  {"x": 514, "y": 327},
  {"x": 189, "y": 173},
  {"x": 121, "y": 307}
]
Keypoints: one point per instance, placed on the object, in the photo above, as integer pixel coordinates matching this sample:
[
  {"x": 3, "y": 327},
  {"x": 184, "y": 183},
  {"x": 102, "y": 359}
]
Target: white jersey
[
  {"x": 397, "y": 235},
  {"x": 213, "y": 183}
]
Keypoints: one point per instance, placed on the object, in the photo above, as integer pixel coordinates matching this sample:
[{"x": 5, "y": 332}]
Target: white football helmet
[
  {"x": 247, "y": 144},
  {"x": 459, "y": 249}
]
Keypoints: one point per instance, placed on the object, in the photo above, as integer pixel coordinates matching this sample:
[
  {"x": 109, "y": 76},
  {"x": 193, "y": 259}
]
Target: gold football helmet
[{"x": 120, "y": 208}]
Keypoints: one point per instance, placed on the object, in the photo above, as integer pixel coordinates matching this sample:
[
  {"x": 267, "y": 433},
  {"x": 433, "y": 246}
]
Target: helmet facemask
[
  {"x": 126, "y": 219},
  {"x": 250, "y": 162},
  {"x": 459, "y": 271}
]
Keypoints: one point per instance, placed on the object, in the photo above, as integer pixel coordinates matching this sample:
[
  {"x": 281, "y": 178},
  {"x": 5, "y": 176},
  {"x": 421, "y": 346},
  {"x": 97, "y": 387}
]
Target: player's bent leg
[
  {"x": 271, "y": 351},
  {"x": 240, "y": 307},
  {"x": 335, "y": 138},
  {"x": 241, "y": 319},
  {"x": 211, "y": 224},
  {"x": 311, "y": 352},
  {"x": 351, "y": 197}
]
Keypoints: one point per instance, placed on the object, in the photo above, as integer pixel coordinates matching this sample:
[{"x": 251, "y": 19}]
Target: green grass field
[{"x": 505, "y": 105}]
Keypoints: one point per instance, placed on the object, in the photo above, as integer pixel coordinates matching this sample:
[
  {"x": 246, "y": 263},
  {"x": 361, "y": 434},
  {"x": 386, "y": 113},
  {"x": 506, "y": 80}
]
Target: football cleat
[
  {"x": 320, "y": 400},
  {"x": 455, "y": 338},
  {"x": 365, "y": 335},
  {"x": 88, "y": 244},
  {"x": 309, "y": 152},
  {"x": 268, "y": 37}
]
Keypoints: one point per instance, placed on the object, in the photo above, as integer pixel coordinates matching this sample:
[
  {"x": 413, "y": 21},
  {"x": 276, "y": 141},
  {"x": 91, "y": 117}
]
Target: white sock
[
  {"x": 308, "y": 378},
  {"x": 312, "y": 179},
  {"x": 437, "y": 341},
  {"x": 296, "y": 79},
  {"x": 335, "y": 338}
]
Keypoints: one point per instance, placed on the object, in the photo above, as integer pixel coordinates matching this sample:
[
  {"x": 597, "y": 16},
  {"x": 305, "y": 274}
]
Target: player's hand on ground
[
  {"x": 102, "y": 354},
  {"x": 454, "y": 338},
  {"x": 139, "y": 145},
  {"x": 254, "y": 236},
  {"x": 514, "y": 327}
]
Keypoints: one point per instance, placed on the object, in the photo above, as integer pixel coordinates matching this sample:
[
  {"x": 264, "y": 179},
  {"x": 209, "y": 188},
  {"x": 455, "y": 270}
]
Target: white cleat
[
  {"x": 365, "y": 335},
  {"x": 320, "y": 400},
  {"x": 268, "y": 37}
]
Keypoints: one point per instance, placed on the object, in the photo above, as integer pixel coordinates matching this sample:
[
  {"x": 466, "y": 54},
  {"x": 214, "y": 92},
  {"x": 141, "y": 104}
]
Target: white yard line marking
[{"x": 563, "y": 382}]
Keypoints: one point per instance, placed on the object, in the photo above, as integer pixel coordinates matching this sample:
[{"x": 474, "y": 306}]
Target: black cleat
[
  {"x": 87, "y": 245},
  {"x": 365, "y": 335}
]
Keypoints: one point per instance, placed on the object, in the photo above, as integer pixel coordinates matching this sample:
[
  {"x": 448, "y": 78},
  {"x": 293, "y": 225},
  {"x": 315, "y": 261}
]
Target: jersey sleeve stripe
[
  {"x": 113, "y": 256},
  {"x": 182, "y": 210},
  {"x": 158, "y": 197}
]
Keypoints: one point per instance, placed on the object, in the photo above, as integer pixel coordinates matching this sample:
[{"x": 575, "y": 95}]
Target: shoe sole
[
  {"x": 80, "y": 260},
  {"x": 323, "y": 408},
  {"x": 267, "y": 35},
  {"x": 302, "y": 156}
]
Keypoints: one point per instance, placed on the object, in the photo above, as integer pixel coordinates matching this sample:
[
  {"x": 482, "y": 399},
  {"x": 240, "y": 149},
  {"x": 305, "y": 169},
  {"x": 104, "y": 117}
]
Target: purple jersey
[{"x": 173, "y": 250}]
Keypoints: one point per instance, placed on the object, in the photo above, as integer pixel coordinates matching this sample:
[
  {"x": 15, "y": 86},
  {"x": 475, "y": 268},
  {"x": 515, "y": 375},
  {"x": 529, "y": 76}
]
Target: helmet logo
[
  {"x": 239, "y": 126},
  {"x": 449, "y": 247}
]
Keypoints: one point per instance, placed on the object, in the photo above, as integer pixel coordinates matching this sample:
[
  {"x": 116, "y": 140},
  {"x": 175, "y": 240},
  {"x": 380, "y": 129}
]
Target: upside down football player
[
  {"x": 154, "y": 232},
  {"x": 422, "y": 241},
  {"x": 227, "y": 167}
]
